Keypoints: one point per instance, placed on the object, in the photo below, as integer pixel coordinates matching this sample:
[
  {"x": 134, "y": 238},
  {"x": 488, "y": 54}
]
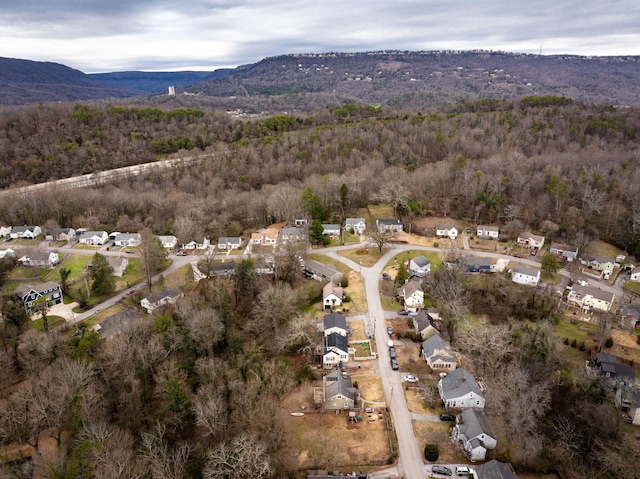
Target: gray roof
[
  {"x": 225, "y": 268},
  {"x": 488, "y": 228},
  {"x": 89, "y": 234},
  {"x": 423, "y": 320},
  {"x": 495, "y": 470},
  {"x": 434, "y": 343},
  {"x": 564, "y": 247},
  {"x": 445, "y": 226},
  {"x": 335, "y": 320},
  {"x": 594, "y": 292},
  {"x": 473, "y": 423},
  {"x": 599, "y": 259},
  {"x": 632, "y": 310},
  {"x": 530, "y": 235},
  {"x": 25, "y": 289},
  {"x": 533, "y": 272},
  {"x": 458, "y": 383},
  {"x": 421, "y": 261},
  {"x": 116, "y": 322},
  {"x": 322, "y": 269},
  {"x": 22, "y": 229},
  {"x": 336, "y": 341},
  {"x": 335, "y": 383},
  {"x": 353, "y": 221},
  {"x": 163, "y": 293},
  {"x": 408, "y": 289},
  {"x": 388, "y": 221},
  {"x": 127, "y": 236}
]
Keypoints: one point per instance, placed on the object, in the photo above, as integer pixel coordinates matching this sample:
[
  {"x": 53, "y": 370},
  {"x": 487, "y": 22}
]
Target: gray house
[
  {"x": 385, "y": 224},
  {"x": 322, "y": 272},
  {"x": 495, "y": 470},
  {"x": 50, "y": 291},
  {"x": 117, "y": 323},
  {"x": 419, "y": 266},
  {"x": 459, "y": 389},
  {"x": 473, "y": 432},
  {"x": 339, "y": 392},
  {"x": 437, "y": 354}
]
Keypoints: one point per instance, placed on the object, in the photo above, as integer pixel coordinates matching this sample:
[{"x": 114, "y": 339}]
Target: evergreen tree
[
  {"x": 402, "y": 276},
  {"x": 101, "y": 276}
]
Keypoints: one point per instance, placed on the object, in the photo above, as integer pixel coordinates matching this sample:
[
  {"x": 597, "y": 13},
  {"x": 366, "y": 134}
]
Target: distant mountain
[
  {"x": 155, "y": 82},
  {"x": 26, "y": 81},
  {"x": 432, "y": 78}
]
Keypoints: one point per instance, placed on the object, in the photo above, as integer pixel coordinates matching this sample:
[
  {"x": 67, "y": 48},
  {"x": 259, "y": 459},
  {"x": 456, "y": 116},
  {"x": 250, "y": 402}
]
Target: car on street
[
  {"x": 403, "y": 313},
  {"x": 389, "y": 331},
  {"x": 392, "y": 353},
  {"x": 130, "y": 252},
  {"x": 409, "y": 378},
  {"x": 447, "y": 417},
  {"x": 386, "y": 276},
  {"x": 394, "y": 364},
  {"x": 534, "y": 251},
  {"x": 517, "y": 255},
  {"x": 130, "y": 292},
  {"x": 438, "y": 469}
]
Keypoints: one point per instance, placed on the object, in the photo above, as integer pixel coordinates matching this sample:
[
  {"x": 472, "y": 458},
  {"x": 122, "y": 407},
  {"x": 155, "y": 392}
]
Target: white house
[
  {"x": 525, "y": 275},
  {"x": 335, "y": 351},
  {"x": 93, "y": 238},
  {"x": 7, "y": 253},
  {"x": 265, "y": 237},
  {"x": 356, "y": 225},
  {"x": 590, "y": 298},
  {"x": 160, "y": 298},
  {"x": 335, "y": 323},
  {"x": 635, "y": 274},
  {"x": 411, "y": 295},
  {"x": 118, "y": 265},
  {"x": 389, "y": 225},
  {"x": 41, "y": 259},
  {"x": 229, "y": 242},
  {"x": 529, "y": 240},
  {"x": 5, "y": 231},
  {"x": 127, "y": 239},
  {"x": 28, "y": 232},
  {"x": 473, "y": 432},
  {"x": 446, "y": 231},
  {"x": 419, "y": 266},
  {"x": 331, "y": 229},
  {"x": 61, "y": 234},
  {"x": 331, "y": 296},
  {"x": 168, "y": 242},
  {"x": 489, "y": 232},
  {"x": 459, "y": 389},
  {"x": 569, "y": 253},
  {"x": 437, "y": 354},
  {"x": 193, "y": 244}
]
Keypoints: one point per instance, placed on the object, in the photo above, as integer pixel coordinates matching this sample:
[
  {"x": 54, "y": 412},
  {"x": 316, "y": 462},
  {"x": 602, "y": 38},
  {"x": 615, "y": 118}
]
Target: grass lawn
[
  {"x": 378, "y": 212},
  {"x": 76, "y": 263},
  {"x": 355, "y": 289},
  {"x": 600, "y": 248},
  {"x": 555, "y": 278},
  {"x": 489, "y": 245},
  {"x": 25, "y": 272},
  {"x": 390, "y": 304},
  {"x": 365, "y": 257},
  {"x": 632, "y": 286},
  {"x": 135, "y": 272},
  {"x": 54, "y": 322},
  {"x": 434, "y": 257},
  {"x": 581, "y": 332},
  {"x": 349, "y": 238}
]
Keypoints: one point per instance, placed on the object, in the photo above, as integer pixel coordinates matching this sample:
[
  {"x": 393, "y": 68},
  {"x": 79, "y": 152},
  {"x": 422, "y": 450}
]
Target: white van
[
  {"x": 390, "y": 343},
  {"x": 463, "y": 471}
]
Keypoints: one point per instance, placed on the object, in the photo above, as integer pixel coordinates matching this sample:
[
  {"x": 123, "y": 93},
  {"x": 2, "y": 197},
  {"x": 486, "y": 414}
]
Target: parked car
[
  {"x": 463, "y": 471},
  {"x": 390, "y": 344},
  {"x": 517, "y": 255},
  {"x": 394, "y": 364},
  {"x": 534, "y": 251},
  {"x": 130, "y": 252},
  {"x": 403, "y": 313},
  {"x": 409, "y": 378},
  {"x": 181, "y": 253},
  {"x": 445, "y": 471},
  {"x": 447, "y": 417},
  {"x": 389, "y": 331},
  {"x": 392, "y": 353},
  {"x": 130, "y": 292}
]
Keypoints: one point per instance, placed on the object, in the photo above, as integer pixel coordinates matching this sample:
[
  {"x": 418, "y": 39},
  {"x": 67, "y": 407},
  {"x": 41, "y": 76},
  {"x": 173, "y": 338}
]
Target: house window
[{"x": 477, "y": 403}]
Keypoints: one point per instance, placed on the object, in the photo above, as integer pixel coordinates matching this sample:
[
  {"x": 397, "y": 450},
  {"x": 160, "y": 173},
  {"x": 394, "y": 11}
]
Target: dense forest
[
  {"x": 194, "y": 393},
  {"x": 560, "y": 167}
]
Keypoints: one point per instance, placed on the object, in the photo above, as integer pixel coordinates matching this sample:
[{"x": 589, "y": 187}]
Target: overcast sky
[{"x": 163, "y": 35}]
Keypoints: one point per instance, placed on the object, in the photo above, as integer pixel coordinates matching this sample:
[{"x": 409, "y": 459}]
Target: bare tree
[
  {"x": 380, "y": 238},
  {"x": 245, "y": 456},
  {"x": 204, "y": 325},
  {"x": 210, "y": 410},
  {"x": 152, "y": 253},
  {"x": 163, "y": 461},
  {"x": 446, "y": 286}
]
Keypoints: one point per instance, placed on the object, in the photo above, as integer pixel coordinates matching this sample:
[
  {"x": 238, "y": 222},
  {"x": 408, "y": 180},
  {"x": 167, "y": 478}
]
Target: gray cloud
[{"x": 94, "y": 35}]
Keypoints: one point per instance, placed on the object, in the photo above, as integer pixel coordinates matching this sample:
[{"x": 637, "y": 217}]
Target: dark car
[
  {"x": 447, "y": 417},
  {"x": 392, "y": 353},
  {"x": 403, "y": 313},
  {"x": 445, "y": 471},
  {"x": 394, "y": 364}
]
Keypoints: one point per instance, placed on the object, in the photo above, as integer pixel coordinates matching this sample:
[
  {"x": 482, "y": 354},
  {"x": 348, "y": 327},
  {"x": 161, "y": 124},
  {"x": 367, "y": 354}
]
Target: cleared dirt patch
[
  {"x": 370, "y": 386},
  {"x": 438, "y": 433}
]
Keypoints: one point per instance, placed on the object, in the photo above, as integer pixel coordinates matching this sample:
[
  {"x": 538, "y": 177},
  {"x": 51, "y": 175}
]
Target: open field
[
  {"x": 600, "y": 248},
  {"x": 363, "y": 256},
  {"x": 392, "y": 266}
]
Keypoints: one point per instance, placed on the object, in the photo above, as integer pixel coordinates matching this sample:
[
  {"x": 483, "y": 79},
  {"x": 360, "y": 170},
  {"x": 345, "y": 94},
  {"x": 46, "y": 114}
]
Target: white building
[{"x": 525, "y": 275}]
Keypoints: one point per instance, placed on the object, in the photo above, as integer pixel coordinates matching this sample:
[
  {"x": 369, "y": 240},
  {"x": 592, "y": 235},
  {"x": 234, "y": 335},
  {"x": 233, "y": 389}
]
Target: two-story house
[
  {"x": 388, "y": 224},
  {"x": 529, "y": 240},
  {"x": 31, "y": 295},
  {"x": 437, "y": 354},
  {"x": 356, "y": 225}
]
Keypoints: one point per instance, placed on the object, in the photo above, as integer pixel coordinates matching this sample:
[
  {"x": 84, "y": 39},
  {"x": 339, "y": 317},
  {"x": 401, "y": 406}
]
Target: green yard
[{"x": 434, "y": 257}]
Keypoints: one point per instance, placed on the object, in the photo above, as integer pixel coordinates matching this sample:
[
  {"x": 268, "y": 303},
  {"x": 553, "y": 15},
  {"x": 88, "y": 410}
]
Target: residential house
[
  {"x": 356, "y": 225},
  {"x": 132, "y": 240},
  {"x": 609, "y": 366},
  {"x": 40, "y": 259},
  {"x": 599, "y": 263},
  {"x": 300, "y": 221},
  {"x": 118, "y": 265},
  {"x": 335, "y": 323},
  {"x": 322, "y": 272},
  {"x": 569, "y": 253},
  {"x": 193, "y": 244},
  {"x": 331, "y": 229},
  {"x": 5, "y": 231},
  {"x": 225, "y": 268},
  {"x": 117, "y": 323},
  {"x": 293, "y": 234},
  {"x": 265, "y": 237},
  {"x": 525, "y": 275},
  {"x": 61, "y": 234},
  {"x": 627, "y": 400},
  {"x": 477, "y": 264},
  {"x": 93, "y": 238},
  {"x": 437, "y": 354},
  {"x": 589, "y": 298},
  {"x": 29, "y": 232},
  {"x": 389, "y": 225},
  {"x": 331, "y": 295},
  {"x": 424, "y": 324},
  {"x": 411, "y": 295},
  {"x": 473, "y": 432},
  {"x": 229, "y": 242},
  {"x": 459, "y": 389},
  {"x": 494, "y": 470},
  {"x": 339, "y": 392},
  {"x": 29, "y": 295},
  {"x": 168, "y": 241},
  {"x": 635, "y": 275},
  {"x": 7, "y": 253},
  {"x": 335, "y": 351},
  {"x": 630, "y": 316},
  {"x": 488, "y": 232},
  {"x": 529, "y": 240},
  {"x": 419, "y": 266},
  {"x": 446, "y": 231},
  {"x": 160, "y": 298}
]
